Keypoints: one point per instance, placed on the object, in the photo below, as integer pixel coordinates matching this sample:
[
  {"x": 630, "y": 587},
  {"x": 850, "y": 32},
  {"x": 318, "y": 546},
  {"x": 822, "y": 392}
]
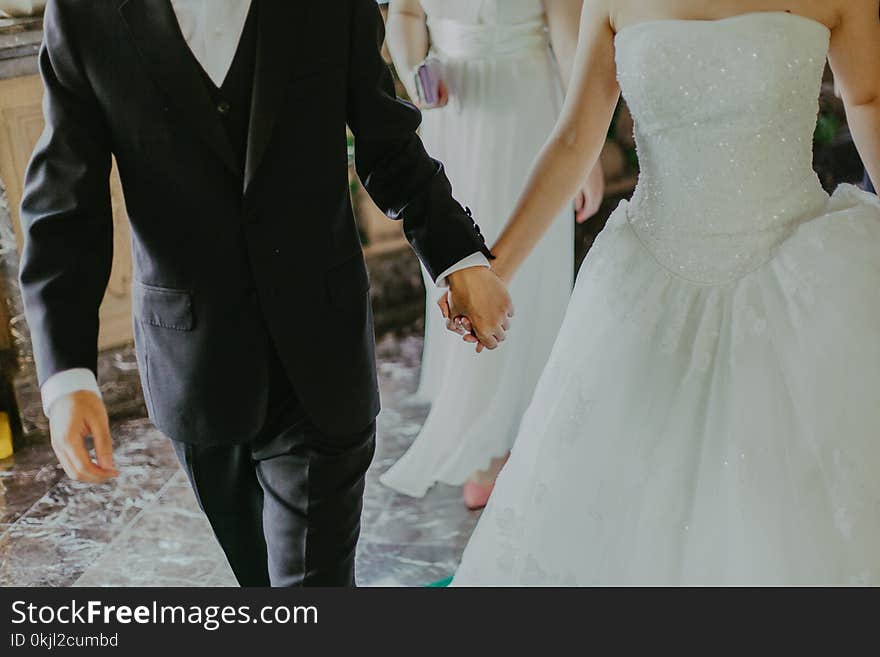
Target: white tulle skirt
[
  {"x": 501, "y": 112},
  {"x": 696, "y": 434}
]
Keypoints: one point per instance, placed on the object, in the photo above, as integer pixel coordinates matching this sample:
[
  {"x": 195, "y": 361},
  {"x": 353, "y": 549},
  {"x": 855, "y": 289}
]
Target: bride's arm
[
  {"x": 408, "y": 41},
  {"x": 575, "y": 144},
  {"x": 855, "y": 59}
]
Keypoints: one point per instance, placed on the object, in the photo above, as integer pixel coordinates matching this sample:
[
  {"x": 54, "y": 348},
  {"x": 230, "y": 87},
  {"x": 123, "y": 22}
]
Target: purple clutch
[{"x": 428, "y": 82}]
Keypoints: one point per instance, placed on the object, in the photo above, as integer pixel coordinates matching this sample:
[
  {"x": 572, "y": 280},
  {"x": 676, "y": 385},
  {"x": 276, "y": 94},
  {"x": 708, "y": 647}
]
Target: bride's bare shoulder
[
  {"x": 598, "y": 11},
  {"x": 616, "y": 10},
  {"x": 846, "y": 12},
  {"x": 623, "y": 13}
]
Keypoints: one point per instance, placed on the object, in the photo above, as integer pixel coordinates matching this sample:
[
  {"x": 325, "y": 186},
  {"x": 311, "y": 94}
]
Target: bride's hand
[
  {"x": 462, "y": 325},
  {"x": 467, "y": 332},
  {"x": 465, "y": 329},
  {"x": 590, "y": 198}
]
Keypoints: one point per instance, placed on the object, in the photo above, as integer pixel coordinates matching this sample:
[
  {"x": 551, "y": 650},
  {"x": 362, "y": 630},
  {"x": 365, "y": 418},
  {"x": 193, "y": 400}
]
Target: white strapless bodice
[
  {"x": 724, "y": 117},
  {"x": 485, "y": 29},
  {"x": 485, "y": 12}
]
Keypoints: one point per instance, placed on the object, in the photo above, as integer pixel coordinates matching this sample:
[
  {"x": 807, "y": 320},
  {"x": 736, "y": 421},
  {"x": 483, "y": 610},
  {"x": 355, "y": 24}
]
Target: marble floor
[{"x": 145, "y": 528}]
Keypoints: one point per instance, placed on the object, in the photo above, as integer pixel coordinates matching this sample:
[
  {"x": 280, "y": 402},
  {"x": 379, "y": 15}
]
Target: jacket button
[{"x": 223, "y": 107}]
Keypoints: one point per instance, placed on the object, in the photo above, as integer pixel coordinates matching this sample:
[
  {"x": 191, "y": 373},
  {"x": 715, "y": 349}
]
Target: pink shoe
[{"x": 476, "y": 496}]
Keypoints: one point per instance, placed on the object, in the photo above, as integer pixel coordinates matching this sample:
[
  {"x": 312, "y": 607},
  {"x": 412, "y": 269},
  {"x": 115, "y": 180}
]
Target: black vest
[{"x": 232, "y": 99}]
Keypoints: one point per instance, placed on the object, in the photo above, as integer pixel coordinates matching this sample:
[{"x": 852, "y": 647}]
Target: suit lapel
[
  {"x": 156, "y": 35},
  {"x": 279, "y": 24}
]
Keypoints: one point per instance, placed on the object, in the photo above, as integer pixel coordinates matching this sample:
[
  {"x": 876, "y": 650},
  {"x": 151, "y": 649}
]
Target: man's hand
[
  {"x": 73, "y": 419},
  {"x": 477, "y": 295}
]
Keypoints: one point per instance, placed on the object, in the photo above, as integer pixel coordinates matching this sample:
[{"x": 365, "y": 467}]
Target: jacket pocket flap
[{"x": 163, "y": 307}]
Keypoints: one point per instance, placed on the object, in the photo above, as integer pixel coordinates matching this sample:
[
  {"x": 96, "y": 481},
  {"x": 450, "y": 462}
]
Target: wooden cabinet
[{"x": 21, "y": 122}]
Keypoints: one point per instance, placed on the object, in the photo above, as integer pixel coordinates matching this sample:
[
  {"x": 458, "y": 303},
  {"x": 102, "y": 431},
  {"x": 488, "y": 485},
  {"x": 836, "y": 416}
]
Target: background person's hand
[
  {"x": 73, "y": 419},
  {"x": 590, "y": 198},
  {"x": 442, "y": 98}
]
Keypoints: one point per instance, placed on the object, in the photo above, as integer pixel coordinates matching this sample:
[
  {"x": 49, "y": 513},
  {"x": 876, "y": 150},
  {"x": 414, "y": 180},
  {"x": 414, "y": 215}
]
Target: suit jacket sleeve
[
  {"x": 391, "y": 160},
  {"x": 66, "y": 212}
]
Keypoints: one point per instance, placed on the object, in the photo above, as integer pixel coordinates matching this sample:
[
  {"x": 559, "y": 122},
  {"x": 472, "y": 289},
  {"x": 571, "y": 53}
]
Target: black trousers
[{"x": 286, "y": 507}]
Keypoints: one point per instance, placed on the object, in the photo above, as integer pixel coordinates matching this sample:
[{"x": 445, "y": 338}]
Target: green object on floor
[{"x": 442, "y": 584}]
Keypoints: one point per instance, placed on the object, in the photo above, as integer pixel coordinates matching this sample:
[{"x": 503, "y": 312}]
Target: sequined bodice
[{"x": 724, "y": 117}]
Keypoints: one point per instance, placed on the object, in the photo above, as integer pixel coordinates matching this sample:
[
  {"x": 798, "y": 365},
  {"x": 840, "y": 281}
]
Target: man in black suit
[{"x": 251, "y": 304}]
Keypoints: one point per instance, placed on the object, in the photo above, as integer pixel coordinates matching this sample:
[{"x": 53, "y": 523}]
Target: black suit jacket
[{"x": 229, "y": 259}]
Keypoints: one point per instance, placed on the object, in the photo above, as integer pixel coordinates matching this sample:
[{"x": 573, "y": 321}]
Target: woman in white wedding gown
[
  {"x": 503, "y": 86},
  {"x": 710, "y": 413}
]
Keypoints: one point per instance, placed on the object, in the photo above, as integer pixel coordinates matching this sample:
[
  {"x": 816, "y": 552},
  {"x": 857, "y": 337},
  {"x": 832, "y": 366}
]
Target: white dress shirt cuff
[
  {"x": 473, "y": 260},
  {"x": 66, "y": 382}
]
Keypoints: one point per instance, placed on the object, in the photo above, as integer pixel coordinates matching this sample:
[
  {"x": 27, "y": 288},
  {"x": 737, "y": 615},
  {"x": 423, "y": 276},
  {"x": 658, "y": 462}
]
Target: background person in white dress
[
  {"x": 501, "y": 92},
  {"x": 710, "y": 411}
]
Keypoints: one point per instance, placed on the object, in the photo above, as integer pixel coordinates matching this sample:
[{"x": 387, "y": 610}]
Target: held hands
[
  {"x": 72, "y": 419},
  {"x": 477, "y": 307}
]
